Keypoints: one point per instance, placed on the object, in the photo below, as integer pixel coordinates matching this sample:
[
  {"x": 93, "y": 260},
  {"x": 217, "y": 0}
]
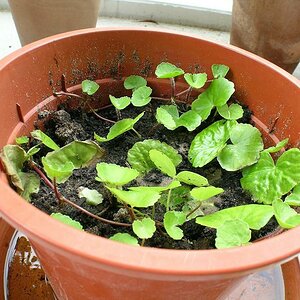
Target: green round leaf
[
  {"x": 203, "y": 106},
  {"x": 219, "y": 70},
  {"x": 144, "y": 228},
  {"x": 67, "y": 220},
  {"x": 233, "y": 233},
  {"x": 172, "y": 219},
  {"x": 167, "y": 70},
  {"x": 196, "y": 81},
  {"x": 191, "y": 178},
  {"x": 163, "y": 162},
  {"x": 89, "y": 87},
  {"x": 138, "y": 155},
  {"x": 244, "y": 151},
  {"x": 141, "y": 96},
  {"x": 136, "y": 198},
  {"x": 168, "y": 116},
  {"x": 125, "y": 238},
  {"x": 209, "y": 142},
  {"x": 134, "y": 82},
  {"x": 190, "y": 120},
  {"x": 114, "y": 174},
  {"x": 204, "y": 193},
  {"x": 268, "y": 182},
  {"x": 119, "y": 103},
  {"x": 233, "y": 112}
]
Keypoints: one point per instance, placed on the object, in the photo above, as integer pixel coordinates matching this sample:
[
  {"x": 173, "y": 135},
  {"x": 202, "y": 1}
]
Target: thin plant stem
[
  {"x": 182, "y": 93},
  {"x": 153, "y": 211},
  {"x": 61, "y": 198},
  {"x": 143, "y": 242},
  {"x": 160, "y": 98},
  {"x": 168, "y": 200},
  {"x": 188, "y": 95},
  {"x": 130, "y": 212},
  {"x": 136, "y": 132},
  {"x": 173, "y": 87},
  {"x": 193, "y": 210}
]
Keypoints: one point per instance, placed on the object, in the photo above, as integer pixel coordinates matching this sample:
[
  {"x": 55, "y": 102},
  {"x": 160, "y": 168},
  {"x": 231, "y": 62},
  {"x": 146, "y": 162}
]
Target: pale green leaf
[
  {"x": 144, "y": 228},
  {"x": 190, "y": 120},
  {"x": 219, "y": 70},
  {"x": 61, "y": 163},
  {"x": 93, "y": 197},
  {"x": 233, "y": 233},
  {"x": 209, "y": 142},
  {"x": 294, "y": 198},
  {"x": 196, "y": 81},
  {"x": 114, "y": 174},
  {"x": 119, "y": 103},
  {"x": 167, "y": 70},
  {"x": 168, "y": 116},
  {"x": 244, "y": 151},
  {"x": 45, "y": 139},
  {"x": 138, "y": 155},
  {"x": 134, "y": 82},
  {"x": 33, "y": 150},
  {"x": 191, "y": 178},
  {"x": 173, "y": 219},
  {"x": 202, "y": 106},
  {"x": 89, "y": 87},
  {"x": 125, "y": 238},
  {"x": 22, "y": 140},
  {"x": 30, "y": 183},
  {"x": 136, "y": 198},
  {"x": 268, "y": 182},
  {"x": 285, "y": 215},
  {"x": 119, "y": 128},
  {"x": 141, "y": 96},
  {"x": 232, "y": 112},
  {"x": 67, "y": 220},
  {"x": 255, "y": 215},
  {"x": 163, "y": 162},
  {"x": 278, "y": 147},
  {"x": 204, "y": 193}
]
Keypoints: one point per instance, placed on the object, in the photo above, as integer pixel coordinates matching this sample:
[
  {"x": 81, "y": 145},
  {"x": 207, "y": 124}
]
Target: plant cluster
[{"x": 236, "y": 146}]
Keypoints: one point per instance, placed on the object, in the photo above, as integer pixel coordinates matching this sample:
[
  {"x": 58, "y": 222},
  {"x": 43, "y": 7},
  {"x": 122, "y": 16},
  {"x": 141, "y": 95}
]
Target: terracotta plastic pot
[
  {"x": 83, "y": 266},
  {"x": 36, "y": 19}
]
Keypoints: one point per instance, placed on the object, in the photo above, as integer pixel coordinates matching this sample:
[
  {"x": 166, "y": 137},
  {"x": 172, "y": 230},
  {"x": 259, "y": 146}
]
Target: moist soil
[{"x": 66, "y": 125}]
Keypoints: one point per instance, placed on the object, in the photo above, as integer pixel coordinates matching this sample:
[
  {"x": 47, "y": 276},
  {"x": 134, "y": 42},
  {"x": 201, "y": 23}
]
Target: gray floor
[{"x": 9, "y": 40}]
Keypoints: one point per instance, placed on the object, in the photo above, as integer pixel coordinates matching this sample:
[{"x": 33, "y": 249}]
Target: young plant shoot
[{"x": 156, "y": 189}]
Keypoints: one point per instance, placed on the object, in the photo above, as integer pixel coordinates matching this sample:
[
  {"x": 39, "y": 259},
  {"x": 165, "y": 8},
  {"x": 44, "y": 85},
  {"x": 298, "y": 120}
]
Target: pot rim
[{"x": 61, "y": 238}]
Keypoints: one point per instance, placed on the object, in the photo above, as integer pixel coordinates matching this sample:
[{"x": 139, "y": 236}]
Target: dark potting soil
[{"x": 66, "y": 125}]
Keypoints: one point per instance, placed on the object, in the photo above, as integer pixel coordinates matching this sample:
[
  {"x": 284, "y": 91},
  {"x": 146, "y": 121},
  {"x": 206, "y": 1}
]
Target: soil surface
[{"x": 65, "y": 125}]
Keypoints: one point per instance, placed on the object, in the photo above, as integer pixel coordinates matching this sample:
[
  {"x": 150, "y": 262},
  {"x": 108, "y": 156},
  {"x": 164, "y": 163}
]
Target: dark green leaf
[
  {"x": 268, "y": 182},
  {"x": 138, "y": 155},
  {"x": 89, "y": 87},
  {"x": 167, "y": 70}
]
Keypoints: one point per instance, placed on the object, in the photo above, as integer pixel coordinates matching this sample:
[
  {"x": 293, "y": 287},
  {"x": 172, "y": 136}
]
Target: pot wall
[{"x": 82, "y": 266}]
